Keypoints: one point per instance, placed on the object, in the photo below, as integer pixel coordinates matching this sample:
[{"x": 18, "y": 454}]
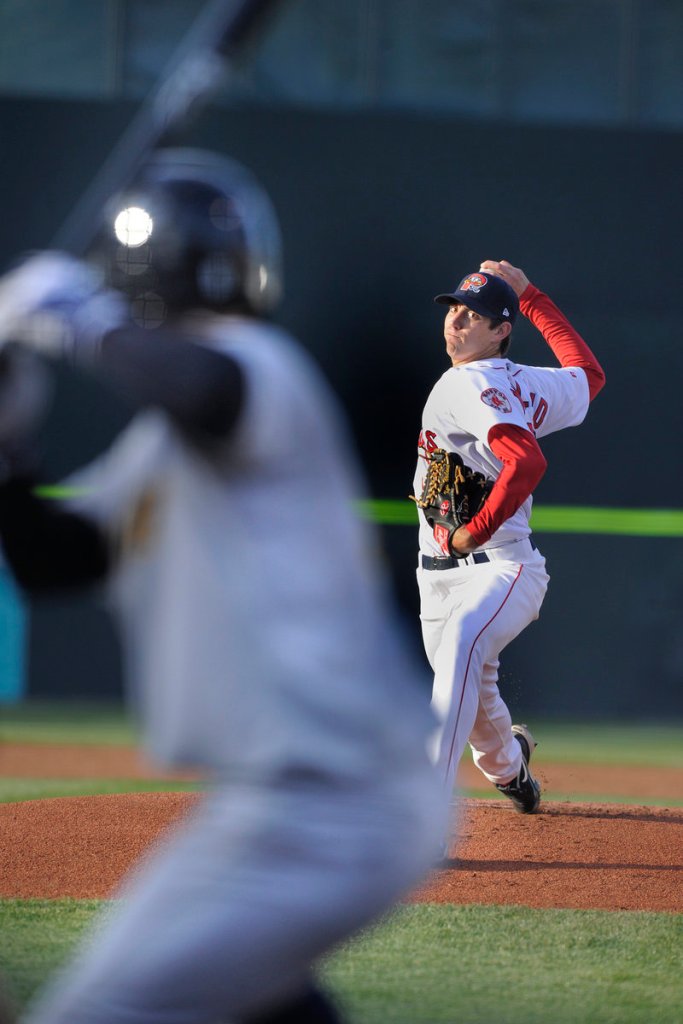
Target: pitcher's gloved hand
[{"x": 452, "y": 494}]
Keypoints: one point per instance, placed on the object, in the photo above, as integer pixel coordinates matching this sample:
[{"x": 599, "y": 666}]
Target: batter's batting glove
[{"x": 59, "y": 306}]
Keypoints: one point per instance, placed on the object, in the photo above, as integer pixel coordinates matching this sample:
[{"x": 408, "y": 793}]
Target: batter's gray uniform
[{"x": 260, "y": 649}]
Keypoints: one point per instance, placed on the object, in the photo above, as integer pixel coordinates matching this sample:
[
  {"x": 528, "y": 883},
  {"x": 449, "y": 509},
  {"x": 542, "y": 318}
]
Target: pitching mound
[
  {"x": 583, "y": 856},
  {"x": 572, "y": 855}
]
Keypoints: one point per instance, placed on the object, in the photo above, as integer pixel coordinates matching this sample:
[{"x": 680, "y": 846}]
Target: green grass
[
  {"x": 14, "y": 790},
  {"x": 65, "y": 722},
  {"x": 652, "y": 744},
  {"x": 659, "y": 744},
  {"x": 442, "y": 964},
  {"x": 492, "y": 965},
  {"x": 37, "y": 935}
]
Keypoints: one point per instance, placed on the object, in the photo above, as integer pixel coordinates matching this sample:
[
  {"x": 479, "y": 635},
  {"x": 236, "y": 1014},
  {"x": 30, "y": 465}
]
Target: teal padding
[{"x": 12, "y": 640}]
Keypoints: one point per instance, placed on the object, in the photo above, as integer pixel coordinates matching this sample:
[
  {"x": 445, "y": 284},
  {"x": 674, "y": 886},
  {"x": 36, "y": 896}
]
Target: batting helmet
[{"x": 195, "y": 229}]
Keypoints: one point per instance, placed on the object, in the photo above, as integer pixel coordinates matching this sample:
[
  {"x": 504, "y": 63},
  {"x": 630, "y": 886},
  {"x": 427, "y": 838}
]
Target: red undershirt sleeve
[
  {"x": 523, "y": 466},
  {"x": 567, "y": 345}
]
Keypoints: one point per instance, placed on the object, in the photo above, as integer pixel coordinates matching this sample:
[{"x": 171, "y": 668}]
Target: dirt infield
[
  {"x": 590, "y": 855},
  {"x": 62, "y": 761}
]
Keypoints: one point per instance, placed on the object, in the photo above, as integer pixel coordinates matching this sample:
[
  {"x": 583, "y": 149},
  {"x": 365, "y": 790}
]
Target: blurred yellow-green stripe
[
  {"x": 59, "y": 491},
  {"x": 624, "y": 522},
  {"x": 629, "y": 522}
]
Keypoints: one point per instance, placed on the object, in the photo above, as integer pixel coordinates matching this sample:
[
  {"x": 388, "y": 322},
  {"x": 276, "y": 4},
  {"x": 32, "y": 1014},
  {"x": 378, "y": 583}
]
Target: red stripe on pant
[{"x": 469, "y": 659}]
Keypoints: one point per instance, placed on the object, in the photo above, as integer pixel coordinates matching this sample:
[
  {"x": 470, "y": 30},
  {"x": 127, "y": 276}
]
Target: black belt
[{"x": 451, "y": 562}]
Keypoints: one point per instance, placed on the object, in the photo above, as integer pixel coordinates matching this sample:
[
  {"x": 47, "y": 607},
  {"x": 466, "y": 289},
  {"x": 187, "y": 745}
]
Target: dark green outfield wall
[{"x": 380, "y": 212}]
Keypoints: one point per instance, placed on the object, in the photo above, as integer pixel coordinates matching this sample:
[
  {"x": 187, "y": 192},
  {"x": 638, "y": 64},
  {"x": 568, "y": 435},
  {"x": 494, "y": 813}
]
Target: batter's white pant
[
  {"x": 227, "y": 917},
  {"x": 468, "y": 615}
]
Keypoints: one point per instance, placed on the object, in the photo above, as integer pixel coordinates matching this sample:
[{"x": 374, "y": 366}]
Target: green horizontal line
[
  {"x": 624, "y": 522},
  {"x": 59, "y": 491},
  {"x": 627, "y": 522}
]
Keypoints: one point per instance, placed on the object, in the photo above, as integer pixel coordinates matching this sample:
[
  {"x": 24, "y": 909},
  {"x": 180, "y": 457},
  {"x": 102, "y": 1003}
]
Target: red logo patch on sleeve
[{"x": 496, "y": 399}]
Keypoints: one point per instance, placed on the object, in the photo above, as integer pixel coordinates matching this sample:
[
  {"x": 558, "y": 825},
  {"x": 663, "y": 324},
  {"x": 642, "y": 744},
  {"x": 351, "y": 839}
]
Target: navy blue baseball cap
[{"x": 486, "y": 294}]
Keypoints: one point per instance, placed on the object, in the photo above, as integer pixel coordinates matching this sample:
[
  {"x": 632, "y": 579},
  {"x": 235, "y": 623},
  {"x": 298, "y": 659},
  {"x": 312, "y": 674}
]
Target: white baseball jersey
[
  {"x": 467, "y": 401},
  {"x": 248, "y": 584}
]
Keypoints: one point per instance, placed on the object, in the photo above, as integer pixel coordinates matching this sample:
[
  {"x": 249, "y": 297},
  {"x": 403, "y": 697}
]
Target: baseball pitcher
[{"x": 481, "y": 577}]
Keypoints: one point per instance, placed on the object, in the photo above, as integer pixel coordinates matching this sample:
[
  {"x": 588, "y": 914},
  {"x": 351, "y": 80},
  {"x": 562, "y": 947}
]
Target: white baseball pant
[{"x": 469, "y": 614}]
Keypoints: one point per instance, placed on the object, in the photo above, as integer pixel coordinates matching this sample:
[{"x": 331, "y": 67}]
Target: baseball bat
[{"x": 194, "y": 74}]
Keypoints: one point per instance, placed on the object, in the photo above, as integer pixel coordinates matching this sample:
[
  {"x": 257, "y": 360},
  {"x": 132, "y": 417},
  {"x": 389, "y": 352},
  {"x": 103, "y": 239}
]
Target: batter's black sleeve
[
  {"x": 48, "y": 548},
  {"x": 202, "y": 390}
]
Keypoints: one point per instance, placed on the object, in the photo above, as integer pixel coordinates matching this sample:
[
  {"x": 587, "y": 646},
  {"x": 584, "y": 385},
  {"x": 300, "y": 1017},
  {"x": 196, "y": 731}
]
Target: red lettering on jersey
[
  {"x": 538, "y": 406},
  {"x": 540, "y": 413},
  {"x": 427, "y": 441},
  {"x": 517, "y": 392}
]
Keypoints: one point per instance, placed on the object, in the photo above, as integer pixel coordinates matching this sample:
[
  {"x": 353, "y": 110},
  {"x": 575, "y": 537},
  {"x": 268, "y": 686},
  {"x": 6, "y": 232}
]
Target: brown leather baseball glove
[{"x": 452, "y": 494}]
